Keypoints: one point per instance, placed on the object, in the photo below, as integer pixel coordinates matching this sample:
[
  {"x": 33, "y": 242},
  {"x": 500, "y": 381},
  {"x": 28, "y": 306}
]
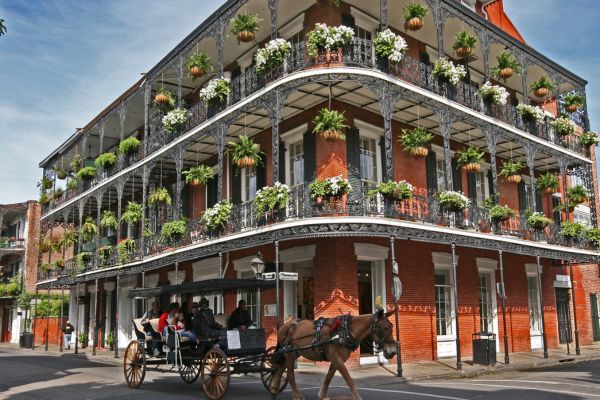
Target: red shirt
[{"x": 163, "y": 321}]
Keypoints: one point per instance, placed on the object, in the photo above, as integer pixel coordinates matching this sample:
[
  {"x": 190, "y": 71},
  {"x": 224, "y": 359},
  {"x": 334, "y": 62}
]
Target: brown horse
[{"x": 301, "y": 338}]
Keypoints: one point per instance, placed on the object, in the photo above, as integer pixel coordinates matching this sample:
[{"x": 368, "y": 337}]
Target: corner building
[{"x": 343, "y": 249}]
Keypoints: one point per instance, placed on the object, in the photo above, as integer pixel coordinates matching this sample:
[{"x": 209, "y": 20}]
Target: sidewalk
[{"x": 412, "y": 372}]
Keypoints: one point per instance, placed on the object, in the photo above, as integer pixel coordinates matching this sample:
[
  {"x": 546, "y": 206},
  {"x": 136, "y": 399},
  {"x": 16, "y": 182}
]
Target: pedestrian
[{"x": 68, "y": 330}]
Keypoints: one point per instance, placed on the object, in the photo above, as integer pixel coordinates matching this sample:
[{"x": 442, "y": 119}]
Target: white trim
[
  {"x": 531, "y": 269},
  {"x": 373, "y": 129},
  {"x": 292, "y": 134},
  {"x": 243, "y": 264},
  {"x": 293, "y": 27},
  {"x": 439, "y": 151},
  {"x": 486, "y": 264},
  {"x": 298, "y": 254},
  {"x": 370, "y": 252},
  {"x": 207, "y": 268},
  {"x": 442, "y": 260},
  {"x": 151, "y": 280},
  {"x": 245, "y": 60},
  {"x": 364, "y": 20},
  {"x": 308, "y": 73}
]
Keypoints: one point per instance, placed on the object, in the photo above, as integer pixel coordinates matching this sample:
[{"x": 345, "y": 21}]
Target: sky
[{"x": 63, "y": 61}]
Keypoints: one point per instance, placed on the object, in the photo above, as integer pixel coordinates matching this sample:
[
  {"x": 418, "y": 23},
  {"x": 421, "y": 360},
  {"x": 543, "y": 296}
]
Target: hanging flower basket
[
  {"x": 164, "y": 97},
  {"x": 419, "y": 152},
  {"x": 472, "y": 167},
  {"x": 414, "y": 141},
  {"x": 572, "y": 101},
  {"x": 541, "y": 92},
  {"x": 538, "y": 221},
  {"x": 244, "y": 27},
  {"x": 505, "y": 73},
  {"x": 245, "y": 153},
  {"x": 329, "y": 124},
  {"x": 414, "y": 15},
  {"x": 246, "y": 162},
  {"x": 542, "y": 87},
  {"x": 572, "y": 108},
  {"x": 331, "y": 135},
  {"x": 507, "y": 66},
  {"x": 245, "y": 36},
  {"x": 470, "y": 159},
  {"x": 514, "y": 179},
  {"x": 452, "y": 201},
  {"x": 198, "y": 64},
  {"x": 414, "y": 24}
]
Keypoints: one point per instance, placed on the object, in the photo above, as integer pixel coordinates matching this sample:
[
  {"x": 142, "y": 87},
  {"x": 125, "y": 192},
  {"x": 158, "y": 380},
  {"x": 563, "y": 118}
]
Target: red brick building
[{"x": 451, "y": 261}]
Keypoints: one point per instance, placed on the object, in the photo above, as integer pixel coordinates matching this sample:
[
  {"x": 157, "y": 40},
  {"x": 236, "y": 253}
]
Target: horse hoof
[{"x": 297, "y": 397}]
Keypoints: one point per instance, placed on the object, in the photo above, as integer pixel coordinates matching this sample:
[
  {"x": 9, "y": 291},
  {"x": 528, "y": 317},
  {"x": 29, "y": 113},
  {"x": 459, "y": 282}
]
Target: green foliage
[
  {"x": 166, "y": 92},
  {"x": 330, "y": 120},
  {"x": 160, "y": 195},
  {"x": 89, "y": 230},
  {"x": 393, "y": 190},
  {"x": 68, "y": 238},
  {"x": 537, "y": 220},
  {"x": 272, "y": 55},
  {"x": 132, "y": 214},
  {"x": 199, "y": 60},
  {"x": 543, "y": 83},
  {"x": 125, "y": 248},
  {"x": 44, "y": 198},
  {"x": 105, "y": 160},
  {"x": 12, "y": 288},
  {"x": 577, "y": 194},
  {"x": 589, "y": 138},
  {"x": 86, "y": 173},
  {"x": 271, "y": 198},
  {"x": 414, "y": 10},
  {"x": 201, "y": 173},
  {"x": 412, "y": 139},
  {"x": 104, "y": 253},
  {"x": 245, "y": 148},
  {"x": 83, "y": 339},
  {"x": 593, "y": 235},
  {"x": 50, "y": 307},
  {"x": 110, "y": 339},
  {"x": 511, "y": 168},
  {"x": 572, "y": 230},
  {"x": 83, "y": 257},
  {"x": 173, "y": 229},
  {"x": 75, "y": 163},
  {"x": 547, "y": 181},
  {"x": 60, "y": 173},
  {"x": 573, "y": 99},
  {"x": 217, "y": 216},
  {"x": 468, "y": 156},
  {"x": 324, "y": 37},
  {"x": 501, "y": 213},
  {"x": 330, "y": 187},
  {"x": 56, "y": 193},
  {"x": 45, "y": 184},
  {"x": 463, "y": 40},
  {"x": 129, "y": 146},
  {"x": 454, "y": 201},
  {"x": 108, "y": 220},
  {"x": 247, "y": 22},
  {"x": 72, "y": 183},
  {"x": 506, "y": 60}
]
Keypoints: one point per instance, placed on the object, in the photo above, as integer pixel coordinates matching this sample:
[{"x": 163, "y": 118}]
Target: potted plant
[
  {"x": 548, "y": 182},
  {"x": 108, "y": 220},
  {"x": 72, "y": 183},
  {"x": 216, "y": 91},
  {"x": 244, "y": 27},
  {"x": 500, "y": 213},
  {"x": 589, "y": 138},
  {"x": 60, "y": 263},
  {"x": 389, "y": 46},
  {"x": 510, "y": 171},
  {"x": 75, "y": 163},
  {"x": 198, "y": 64},
  {"x": 572, "y": 101},
  {"x": 245, "y": 153},
  {"x": 46, "y": 183},
  {"x": 160, "y": 195},
  {"x": 325, "y": 42},
  {"x": 470, "y": 159},
  {"x": 129, "y": 146},
  {"x": 110, "y": 340},
  {"x": 564, "y": 126},
  {"x": 271, "y": 198},
  {"x": 329, "y": 124},
  {"x": 391, "y": 190},
  {"x": 198, "y": 175},
  {"x": 447, "y": 72},
  {"x": 530, "y": 113},
  {"x": 452, "y": 201},
  {"x": 67, "y": 239},
  {"x": 542, "y": 86},
  {"x": 414, "y": 14},
  {"x": 83, "y": 258},
  {"x": 132, "y": 214},
  {"x": 83, "y": 340},
  {"x": 571, "y": 230},
  {"x": 507, "y": 66},
  {"x": 414, "y": 141},
  {"x": 105, "y": 160},
  {"x": 216, "y": 217},
  {"x": 537, "y": 221},
  {"x": 60, "y": 173},
  {"x": 328, "y": 188},
  {"x": 56, "y": 193},
  {"x": 272, "y": 55},
  {"x": 593, "y": 235},
  {"x": 173, "y": 231},
  {"x": 86, "y": 174},
  {"x": 494, "y": 94},
  {"x": 104, "y": 254},
  {"x": 577, "y": 194},
  {"x": 125, "y": 248},
  {"x": 89, "y": 230},
  {"x": 464, "y": 43},
  {"x": 164, "y": 97},
  {"x": 175, "y": 119}
]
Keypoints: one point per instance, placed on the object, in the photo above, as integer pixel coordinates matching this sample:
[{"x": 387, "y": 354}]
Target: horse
[{"x": 332, "y": 340}]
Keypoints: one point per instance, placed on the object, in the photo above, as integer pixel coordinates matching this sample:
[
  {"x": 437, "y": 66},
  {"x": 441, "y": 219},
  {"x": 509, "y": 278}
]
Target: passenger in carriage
[
  {"x": 152, "y": 313},
  {"x": 204, "y": 321},
  {"x": 240, "y": 317}
]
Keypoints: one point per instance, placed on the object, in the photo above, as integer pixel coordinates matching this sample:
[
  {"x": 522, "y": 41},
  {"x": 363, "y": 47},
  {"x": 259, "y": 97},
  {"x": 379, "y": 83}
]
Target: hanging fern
[
  {"x": 89, "y": 230},
  {"x": 160, "y": 195},
  {"x": 132, "y": 214},
  {"x": 108, "y": 220}
]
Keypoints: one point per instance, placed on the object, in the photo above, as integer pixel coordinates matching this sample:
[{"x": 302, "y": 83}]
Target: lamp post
[
  {"x": 397, "y": 290},
  {"x": 258, "y": 266}
]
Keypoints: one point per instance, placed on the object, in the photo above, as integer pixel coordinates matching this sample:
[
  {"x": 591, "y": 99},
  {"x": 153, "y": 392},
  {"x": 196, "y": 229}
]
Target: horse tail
[{"x": 278, "y": 357}]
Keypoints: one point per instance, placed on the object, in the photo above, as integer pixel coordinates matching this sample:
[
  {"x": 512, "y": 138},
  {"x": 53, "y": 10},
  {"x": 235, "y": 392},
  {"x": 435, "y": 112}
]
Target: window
[
  {"x": 534, "y": 305},
  {"x": 297, "y": 38},
  {"x": 443, "y": 303},
  {"x": 582, "y": 215},
  {"x": 481, "y": 188},
  {"x": 486, "y": 308},
  {"x": 362, "y": 33},
  {"x": 250, "y": 296},
  {"x": 575, "y": 180},
  {"x": 441, "y": 174},
  {"x": 368, "y": 160},
  {"x": 528, "y": 195},
  {"x": 249, "y": 183},
  {"x": 296, "y": 162}
]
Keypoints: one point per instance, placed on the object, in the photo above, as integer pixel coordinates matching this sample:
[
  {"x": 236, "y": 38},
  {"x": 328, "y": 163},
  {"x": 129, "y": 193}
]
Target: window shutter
[
  {"x": 490, "y": 177},
  {"x": 261, "y": 173},
  {"x": 472, "y": 187},
  {"x": 185, "y": 201},
  {"x": 382, "y": 152},
  {"x": 282, "y": 155},
  {"x": 522, "y": 199},
  {"x": 353, "y": 153},
  {"x": 348, "y": 20},
  {"x": 539, "y": 205},
  {"x": 431, "y": 172},
  {"x": 456, "y": 177},
  {"x": 309, "y": 145},
  {"x": 557, "y": 214},
  {"x": 211, "y": 191},
  {"x": 236, "y": 189}
]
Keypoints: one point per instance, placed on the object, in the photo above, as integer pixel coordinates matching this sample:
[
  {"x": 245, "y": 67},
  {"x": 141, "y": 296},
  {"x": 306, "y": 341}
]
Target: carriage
[{"x": 214, "y": 359}]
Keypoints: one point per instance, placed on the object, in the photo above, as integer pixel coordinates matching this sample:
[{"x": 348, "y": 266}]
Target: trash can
[
  {"x": 484, "y": 348},
  {"x": 26, "y": 340}
]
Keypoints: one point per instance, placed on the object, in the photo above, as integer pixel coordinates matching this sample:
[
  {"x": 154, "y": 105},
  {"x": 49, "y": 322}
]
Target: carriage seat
[{"x": 222, "y": 319}]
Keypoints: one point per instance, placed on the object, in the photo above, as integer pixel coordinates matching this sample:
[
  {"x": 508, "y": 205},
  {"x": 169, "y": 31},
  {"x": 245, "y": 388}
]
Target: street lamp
[{"x": 258, "y": 265}]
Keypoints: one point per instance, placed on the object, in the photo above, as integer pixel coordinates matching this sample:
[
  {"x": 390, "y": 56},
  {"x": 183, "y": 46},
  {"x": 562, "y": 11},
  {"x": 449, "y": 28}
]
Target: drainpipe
[
  {"x": 577, "y": 349},
  {"x": 454, "y": 289},
  {"x": 398, "y": 345},
  {"x": 503, "y": 297},
  {"x": 541, "y": 300}
]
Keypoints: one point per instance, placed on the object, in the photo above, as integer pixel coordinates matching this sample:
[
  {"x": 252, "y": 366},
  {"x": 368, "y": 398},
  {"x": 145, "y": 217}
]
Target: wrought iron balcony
[{"x": 11, "y": 243}]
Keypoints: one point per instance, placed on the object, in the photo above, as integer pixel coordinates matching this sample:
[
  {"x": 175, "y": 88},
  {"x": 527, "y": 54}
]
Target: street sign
[
  {"x": 397, "y": 288},
  {"x": 288, "y": 276},
  {"x": 269, "y": 276}
]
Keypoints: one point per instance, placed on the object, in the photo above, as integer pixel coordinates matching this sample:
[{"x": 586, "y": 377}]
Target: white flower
[
  {"x": 496, "y": 94},
  {"x": 175, "y": 119},
  {"x": 389, "y": 45},
  {"x": 272, "y": 54},
  {"x": 534, "y": 113},
  {"x": 445, "y": 69},
  {"x": 216, "y": 89},
  {"x": 564, "y": 126}
]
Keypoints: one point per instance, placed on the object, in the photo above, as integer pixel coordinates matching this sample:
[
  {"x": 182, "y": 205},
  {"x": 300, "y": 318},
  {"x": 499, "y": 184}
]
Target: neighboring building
[
  {"x": 340, "y": 248},
  {"x": 19, "y": 233}
]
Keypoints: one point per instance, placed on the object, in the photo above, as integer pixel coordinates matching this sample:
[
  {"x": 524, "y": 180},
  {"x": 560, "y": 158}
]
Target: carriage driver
[
  {"x": 240, "y": 317},
  {"x": 204, "y": 321}
]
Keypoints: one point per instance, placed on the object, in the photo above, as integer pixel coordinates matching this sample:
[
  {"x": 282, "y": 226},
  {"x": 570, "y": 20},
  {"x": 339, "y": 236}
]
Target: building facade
[{"x": 452, "y": 263}]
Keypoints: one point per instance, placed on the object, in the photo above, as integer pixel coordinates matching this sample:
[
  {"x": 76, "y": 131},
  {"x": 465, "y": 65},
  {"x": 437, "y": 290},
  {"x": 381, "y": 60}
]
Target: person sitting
[
  {"x": 152, "y": 313},
  {"x": 204, "y": 321},
  {"x": 240, "y": 317},
  {"x": 166, "y": 318}
]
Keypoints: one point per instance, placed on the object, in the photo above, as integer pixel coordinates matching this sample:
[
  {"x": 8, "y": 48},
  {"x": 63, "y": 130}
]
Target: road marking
[
  {"x": 541, "y": 382},
  {"x": 536, "y": 389},
  {"x": 435, "y": 396}
]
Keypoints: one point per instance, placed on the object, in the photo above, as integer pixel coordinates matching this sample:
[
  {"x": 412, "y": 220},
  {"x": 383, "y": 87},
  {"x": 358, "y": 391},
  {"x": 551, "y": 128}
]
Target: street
[{"x": 35, "y": 375}]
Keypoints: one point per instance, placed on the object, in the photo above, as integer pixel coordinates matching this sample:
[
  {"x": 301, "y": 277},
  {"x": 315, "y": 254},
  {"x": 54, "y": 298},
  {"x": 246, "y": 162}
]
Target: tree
[{"x": 2, "y": 27}]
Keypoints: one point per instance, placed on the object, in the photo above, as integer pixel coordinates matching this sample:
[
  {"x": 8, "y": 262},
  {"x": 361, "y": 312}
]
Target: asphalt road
[{"x": 26, "y": 375}]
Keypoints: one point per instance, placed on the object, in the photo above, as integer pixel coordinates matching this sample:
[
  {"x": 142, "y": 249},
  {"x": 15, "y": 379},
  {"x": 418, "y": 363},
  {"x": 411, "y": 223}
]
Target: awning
[{"x": 202, "y": 287}]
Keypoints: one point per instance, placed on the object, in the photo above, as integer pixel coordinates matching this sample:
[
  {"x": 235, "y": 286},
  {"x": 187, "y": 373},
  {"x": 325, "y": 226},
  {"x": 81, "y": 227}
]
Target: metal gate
[
  {"x": 595, "y": 317},
  {"x": 564, "y": 315}
]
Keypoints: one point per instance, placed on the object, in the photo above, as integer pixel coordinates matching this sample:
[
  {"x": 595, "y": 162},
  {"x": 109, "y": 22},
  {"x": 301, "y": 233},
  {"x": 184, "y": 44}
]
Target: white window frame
[
  {"x": 535, "y": 336},
  {"x": 446, "y": 346},
  {"x": 243, "y": 268},
  {"x": 243, "y": 173},
  {"x": 364, "y": 20},
  {"x": 289, "y": 138},
  {"x": 583, "y": 215},
  {"x": 527, "y": 181},
  {"x": 489, "y": 266},
  {"x": 485, "y": 168},
  {"x": 439, "y": 156},
  {"x": 371, "y": 131}
]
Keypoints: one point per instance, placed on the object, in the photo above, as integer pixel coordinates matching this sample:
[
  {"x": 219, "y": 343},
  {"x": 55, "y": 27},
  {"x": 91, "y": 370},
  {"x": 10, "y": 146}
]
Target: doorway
[
  {"x": 595, "y": 317},
  {"x": 564, "y": 315},
  {"x": 371, "y": 296}
]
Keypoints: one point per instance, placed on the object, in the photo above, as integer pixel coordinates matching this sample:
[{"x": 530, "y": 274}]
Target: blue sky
[{"x": 63, "y": 61}]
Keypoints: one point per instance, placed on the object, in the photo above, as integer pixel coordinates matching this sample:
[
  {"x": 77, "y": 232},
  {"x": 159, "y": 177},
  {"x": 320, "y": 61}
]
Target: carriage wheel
[
  {"x": 215, "y": 374},
  {"x": 134, "y": 364},
  {"x": 189, "y": 370},
  {"x": 267, "y": 371}
]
